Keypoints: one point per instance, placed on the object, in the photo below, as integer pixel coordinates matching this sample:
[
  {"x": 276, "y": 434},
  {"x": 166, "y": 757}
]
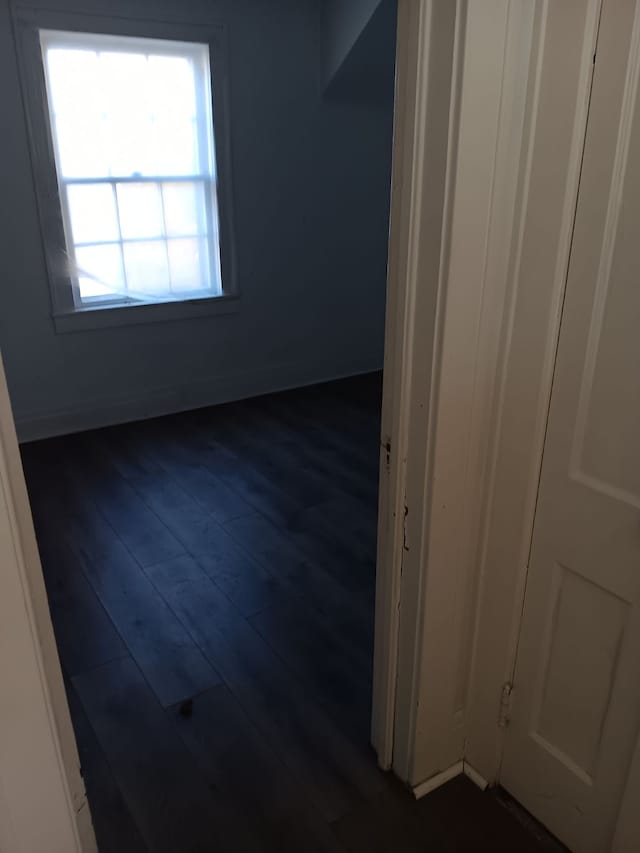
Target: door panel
[
  {"x": 576, "y": 690},
  {"x": 576, "y": 698}
]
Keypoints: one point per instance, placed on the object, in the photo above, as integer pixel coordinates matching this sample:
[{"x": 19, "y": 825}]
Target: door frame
[
  {"x": 43, "y": 804},
  {"x": 416, "y": 106},
  {"x": 442, "y": 142},
  {"x": 529, "y": 339},
  {"x": 463, "y": 70}
]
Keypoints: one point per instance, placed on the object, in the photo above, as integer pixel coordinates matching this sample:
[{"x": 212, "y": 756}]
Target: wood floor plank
[
  {"x": 172, "y": 663},
  {"x": 351, "y": 615},
  {"x": 331, "y": 549},
  {"x": 85, "y": 635},
  {"x": 346, "y": 520},
  {"x": 246, "y": 584},
  {"x": 326, "y": 468},
  {"x": 192, "y": 525},
  {"x": 238, "y": 762},
  {"x": 322, "y": 661},
  {"x": 261, "y": 493},
  {"x": 247, "y": 436},
  {"x": 128, "y": 448},
  {"x": 169, "y": 797},
  {"x": 290, "y": 458},
  {"x": 115, "y": 828},
  {"x": 232, "y": 568},
  {"x": 335, "y": 773},
  {"x": 388, "y": 824},
  {"x": 173, "y": 505},
  {"x": 176, "y": 451},
  {"x": 146, "y": 537},
  {"x": 336, "y": 447},
  {"x": 240, "y": 577}
]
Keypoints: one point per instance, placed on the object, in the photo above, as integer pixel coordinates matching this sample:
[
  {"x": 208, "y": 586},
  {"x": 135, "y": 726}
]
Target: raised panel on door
[
  {"x": 575, "y": 689},
  {"x": 576, "y": 698}
]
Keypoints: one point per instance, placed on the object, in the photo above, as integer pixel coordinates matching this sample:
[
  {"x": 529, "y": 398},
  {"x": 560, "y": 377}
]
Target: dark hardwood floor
[{"x": 211, "y": 580}]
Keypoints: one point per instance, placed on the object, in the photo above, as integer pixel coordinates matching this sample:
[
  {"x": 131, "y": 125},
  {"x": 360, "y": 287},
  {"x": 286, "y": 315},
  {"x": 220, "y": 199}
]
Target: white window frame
[
  {"x": 204, "y": 174},
  {"x": 67, "y": 313}
]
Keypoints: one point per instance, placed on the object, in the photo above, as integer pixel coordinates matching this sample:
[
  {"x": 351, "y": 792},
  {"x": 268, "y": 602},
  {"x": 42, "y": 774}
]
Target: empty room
[
  {"x": 203, "y": 200},
  {"x": 318, "y": 407}
]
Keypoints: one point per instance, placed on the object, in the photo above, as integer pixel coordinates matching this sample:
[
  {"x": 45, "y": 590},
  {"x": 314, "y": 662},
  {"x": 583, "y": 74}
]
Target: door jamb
[
  {"x": 423, "y": 97},
  {"x": 42, "y": 795},
  {"x": 452, "y": 210},
  {"x": 516, "y": 453}
]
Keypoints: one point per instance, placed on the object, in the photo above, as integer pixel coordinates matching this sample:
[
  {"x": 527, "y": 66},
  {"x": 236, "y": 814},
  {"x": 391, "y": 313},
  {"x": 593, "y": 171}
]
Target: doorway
[
  {"x": 446, "y": 188},
  {"x": 109, "y": 505}
]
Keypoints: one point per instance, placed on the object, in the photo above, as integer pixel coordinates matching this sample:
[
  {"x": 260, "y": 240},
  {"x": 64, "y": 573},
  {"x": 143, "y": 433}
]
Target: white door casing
[
  {"x": 43, "y": 805},
  {"x": 426, "y": 34},
  {"x": 556, "y": 115},
  {"x": 459, "y": 126},
  {"x": 575, "y": 713}
]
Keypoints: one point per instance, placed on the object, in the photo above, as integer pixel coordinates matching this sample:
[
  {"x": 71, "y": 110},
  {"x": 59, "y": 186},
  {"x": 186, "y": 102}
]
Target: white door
[{"x": 576, "y": 700}]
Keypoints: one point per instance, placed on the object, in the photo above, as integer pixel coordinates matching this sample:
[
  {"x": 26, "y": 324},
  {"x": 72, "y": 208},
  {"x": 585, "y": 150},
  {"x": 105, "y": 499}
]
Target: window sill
[{"x": 149, "y": 312}]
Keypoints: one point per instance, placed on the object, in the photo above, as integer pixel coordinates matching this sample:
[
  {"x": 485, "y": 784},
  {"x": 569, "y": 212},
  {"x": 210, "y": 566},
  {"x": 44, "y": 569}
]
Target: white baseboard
[
  {"x": 154, "y": 402},
  {"x": 457, "y": 769},
  {"x": 439, "y": 779},
  {"x": 475, "y": 777}
]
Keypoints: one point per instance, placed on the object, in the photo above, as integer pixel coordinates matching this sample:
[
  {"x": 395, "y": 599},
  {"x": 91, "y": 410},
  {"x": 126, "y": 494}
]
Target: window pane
[
  {"x": 127, "y": 141},
  {"x": 146, "y": 267},
  {"x": 75, "y": 95},
  {"x": 124, "y": 82},
  {"x": 80, "y": 147},
  {"x": 174, "y": 147},
  {"x": 99, "y": 270},
  {"x": 184, "y": 212},
  {"x": 93, "y": 213},
  {"x": 188, "y": 264},
  {"x": 140, "y": 208},
  {"x": 73, "y": 80},
  {"x": 171, "y": 87},
  {"x": 128, "y": 124}
]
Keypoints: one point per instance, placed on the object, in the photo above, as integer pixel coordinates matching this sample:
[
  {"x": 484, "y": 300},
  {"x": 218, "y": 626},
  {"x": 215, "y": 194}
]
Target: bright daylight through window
[{"x": 132, "y": 133}]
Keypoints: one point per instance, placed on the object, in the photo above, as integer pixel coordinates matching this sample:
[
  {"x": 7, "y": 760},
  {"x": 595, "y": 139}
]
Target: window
[
  {"x": 132, "y": 135},
  {"x": 130, "y": 142}
]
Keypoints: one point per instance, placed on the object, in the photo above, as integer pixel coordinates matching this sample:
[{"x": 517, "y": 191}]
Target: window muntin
[{"x": 133, "y": 140}]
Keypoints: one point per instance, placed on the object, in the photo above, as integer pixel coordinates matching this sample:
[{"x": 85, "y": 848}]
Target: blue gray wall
[
  {"x": 311, "y": 191},
  {"x": 343, "y": 21}
]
